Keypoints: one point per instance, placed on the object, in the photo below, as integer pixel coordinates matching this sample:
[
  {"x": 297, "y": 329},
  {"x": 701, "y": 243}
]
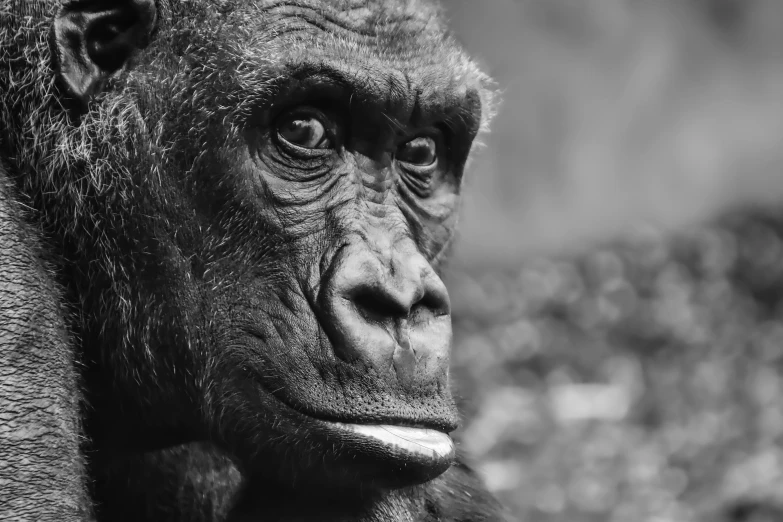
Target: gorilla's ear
[{"x": 93, "y": 39}]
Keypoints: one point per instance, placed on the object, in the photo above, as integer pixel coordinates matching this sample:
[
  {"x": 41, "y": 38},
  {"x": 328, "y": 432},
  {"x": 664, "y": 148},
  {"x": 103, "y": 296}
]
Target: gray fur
[{"x": 41, "y": 470}]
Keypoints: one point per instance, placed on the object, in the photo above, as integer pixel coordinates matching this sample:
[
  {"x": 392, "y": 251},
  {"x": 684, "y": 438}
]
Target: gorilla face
[{"x": 270, "y": 189}]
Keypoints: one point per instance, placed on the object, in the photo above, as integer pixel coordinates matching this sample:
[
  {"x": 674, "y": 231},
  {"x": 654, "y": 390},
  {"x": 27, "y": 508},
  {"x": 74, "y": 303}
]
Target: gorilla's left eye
[
  {"x": 303, "y": 130},
  {"x": 418, "y": 152}
]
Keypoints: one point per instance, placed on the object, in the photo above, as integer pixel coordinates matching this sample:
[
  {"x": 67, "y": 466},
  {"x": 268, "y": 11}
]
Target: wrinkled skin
[
  {"x": 41, "y": 470},
  {"x": 248, "y": 204}
]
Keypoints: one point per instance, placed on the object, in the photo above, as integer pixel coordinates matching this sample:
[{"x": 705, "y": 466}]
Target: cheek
[
  {"x": 431, "y": 231},
  {"x": 266, "y": 320},
  {"x": 298, "y": 210}
]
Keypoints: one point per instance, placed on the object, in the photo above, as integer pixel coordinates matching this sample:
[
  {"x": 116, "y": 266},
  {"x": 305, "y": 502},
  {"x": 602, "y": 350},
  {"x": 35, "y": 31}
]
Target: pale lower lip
[{"x": 421, "y": 442}]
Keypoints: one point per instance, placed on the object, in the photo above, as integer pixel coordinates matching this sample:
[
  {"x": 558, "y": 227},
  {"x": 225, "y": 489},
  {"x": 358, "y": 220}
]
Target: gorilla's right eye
[{"x": 304, "y": 130}]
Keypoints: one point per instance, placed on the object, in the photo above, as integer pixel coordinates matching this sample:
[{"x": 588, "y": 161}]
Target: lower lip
[{"x": 417, "y": 443}]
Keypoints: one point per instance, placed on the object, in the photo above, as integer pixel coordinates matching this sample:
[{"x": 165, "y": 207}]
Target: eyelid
[
  {"x": 296, "y": 150},
  {"x": 419, "y": 170}
]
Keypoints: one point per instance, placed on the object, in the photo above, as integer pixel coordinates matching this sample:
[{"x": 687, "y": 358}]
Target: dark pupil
[
  {"x": 420, "y": 151},
  {"x": 302, "y": 132}
]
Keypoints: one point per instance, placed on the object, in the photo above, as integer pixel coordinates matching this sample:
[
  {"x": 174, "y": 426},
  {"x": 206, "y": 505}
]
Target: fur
[{"x": 153, "y": 283}]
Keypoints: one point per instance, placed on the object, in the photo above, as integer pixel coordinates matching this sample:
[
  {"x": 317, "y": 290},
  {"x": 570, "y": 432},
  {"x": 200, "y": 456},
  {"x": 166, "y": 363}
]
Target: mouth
[
  {"x": 392, "y": 453},
  {"x": 404, "y": 441},
  {"x": 394, "y": 448}
]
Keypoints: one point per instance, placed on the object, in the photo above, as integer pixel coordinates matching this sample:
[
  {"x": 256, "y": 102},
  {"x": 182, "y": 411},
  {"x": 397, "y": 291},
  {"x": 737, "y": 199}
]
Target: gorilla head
[{"x": 250, "y": 201}]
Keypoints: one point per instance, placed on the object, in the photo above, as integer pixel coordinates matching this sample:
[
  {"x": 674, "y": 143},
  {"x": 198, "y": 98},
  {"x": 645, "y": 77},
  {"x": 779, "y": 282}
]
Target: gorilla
[{"x": 226, "y": 221}]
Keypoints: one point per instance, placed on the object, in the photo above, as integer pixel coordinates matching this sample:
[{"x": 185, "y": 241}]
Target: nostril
[
  {"x": 377, "y": 306},
  {"x": 435, "y": 302}
]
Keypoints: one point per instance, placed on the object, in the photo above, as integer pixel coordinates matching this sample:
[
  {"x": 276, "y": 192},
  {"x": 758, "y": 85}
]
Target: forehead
[
  {"x": 397, "y": 45},
  {"x": 395, "y": 27}
]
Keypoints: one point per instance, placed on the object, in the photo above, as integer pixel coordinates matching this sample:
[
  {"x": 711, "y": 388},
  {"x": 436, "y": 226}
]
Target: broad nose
[{"x": 389, "y": 310}]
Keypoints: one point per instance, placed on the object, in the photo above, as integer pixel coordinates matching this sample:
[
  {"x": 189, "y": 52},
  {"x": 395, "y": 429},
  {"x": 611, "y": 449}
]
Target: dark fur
[{"x": 166, "y": 262}]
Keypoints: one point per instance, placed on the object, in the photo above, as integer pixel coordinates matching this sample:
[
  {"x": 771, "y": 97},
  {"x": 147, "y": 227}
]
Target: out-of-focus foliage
[
  {"x": 617, "y": 112},
  {"x": 638, "y": 382}
]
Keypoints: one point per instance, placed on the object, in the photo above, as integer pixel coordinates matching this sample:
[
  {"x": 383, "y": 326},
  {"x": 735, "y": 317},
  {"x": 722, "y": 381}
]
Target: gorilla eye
[
  {"x": 303, "y": 130},
  {"x": 418, "y": 152}
]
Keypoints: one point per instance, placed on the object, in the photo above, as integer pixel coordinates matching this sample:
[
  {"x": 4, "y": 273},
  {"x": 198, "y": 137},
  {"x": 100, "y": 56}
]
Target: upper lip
[
  {"x": 431, "y": 424},
  {"x": 325, "y": 416},
  {"x": 444, "y": 426}
]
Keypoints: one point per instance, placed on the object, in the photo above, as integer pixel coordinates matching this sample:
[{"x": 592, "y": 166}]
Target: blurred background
[{"x": 618, "y": 284}]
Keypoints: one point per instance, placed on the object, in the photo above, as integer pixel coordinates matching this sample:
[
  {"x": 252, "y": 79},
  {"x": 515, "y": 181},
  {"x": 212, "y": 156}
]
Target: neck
[{"x": 199, "y": 482}]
